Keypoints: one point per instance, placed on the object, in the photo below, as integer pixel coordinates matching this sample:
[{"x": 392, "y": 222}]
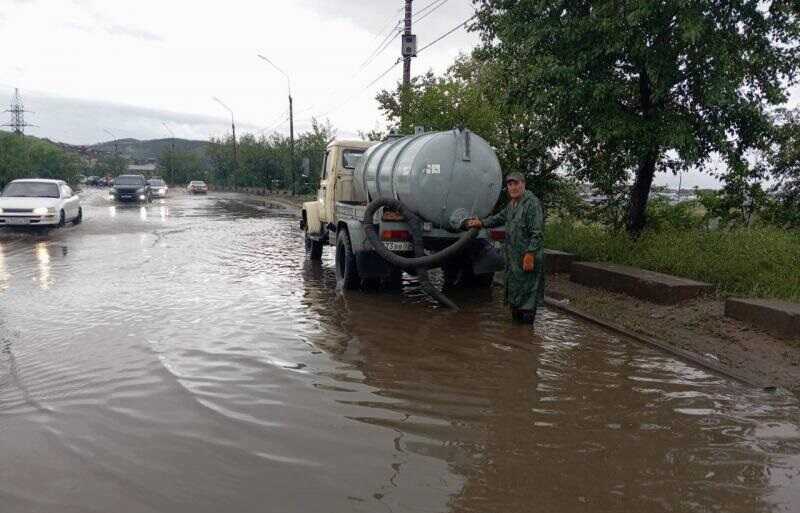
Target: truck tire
[
  {"x": 313, "y": 247},
  {"x": 346, "y": 273}
]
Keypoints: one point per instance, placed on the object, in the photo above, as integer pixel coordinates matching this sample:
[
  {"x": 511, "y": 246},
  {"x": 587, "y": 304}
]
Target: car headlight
[
  {"x": 141, "y": 197},
  {"x": 1, "y": 210},
  {"x": 42, "y": 211}
]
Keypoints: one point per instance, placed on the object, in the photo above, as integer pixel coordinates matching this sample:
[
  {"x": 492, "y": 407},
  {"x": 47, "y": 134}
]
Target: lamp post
[
  {"x": 233, "y": 129},
  {"x": 113, "y": 137},
  {"x": 291, "y": 122},
  {"x": 116, "y": 153},
  {"x": 171, "y": 152}
]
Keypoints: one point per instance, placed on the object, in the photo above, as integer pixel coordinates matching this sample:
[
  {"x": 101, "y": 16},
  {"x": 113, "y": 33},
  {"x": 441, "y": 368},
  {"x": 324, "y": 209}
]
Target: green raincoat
[{"x": 524, "y": 234}]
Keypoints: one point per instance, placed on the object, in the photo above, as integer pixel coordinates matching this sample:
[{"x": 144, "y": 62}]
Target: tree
[
  {"x": 471, "y": 94},
  {"x": 784, "y": 166},
  {"x": 645, "y": 86},
  {"x": 179, "y": 166},
  {"x": 28, "y": 157},
  {"x": 111, "y": 164}
]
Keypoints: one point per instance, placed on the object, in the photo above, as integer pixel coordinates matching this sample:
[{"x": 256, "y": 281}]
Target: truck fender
[
  {"x": 311, "y": 218},
  {"x": 358, "y": 238}
]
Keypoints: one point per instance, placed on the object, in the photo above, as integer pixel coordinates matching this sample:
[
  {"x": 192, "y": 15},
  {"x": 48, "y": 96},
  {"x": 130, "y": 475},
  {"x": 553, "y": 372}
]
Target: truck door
[{"x": 326, "y": 188}]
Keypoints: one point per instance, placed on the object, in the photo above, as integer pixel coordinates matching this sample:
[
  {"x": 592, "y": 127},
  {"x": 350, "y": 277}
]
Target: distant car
[
  {"x": 92, "y": 180},
  {"x": 158, "y": 187},
  {"x": 197, "y": 187},
  {"x": 36, "y": 202},
  {"x": 131, "y": 188}
]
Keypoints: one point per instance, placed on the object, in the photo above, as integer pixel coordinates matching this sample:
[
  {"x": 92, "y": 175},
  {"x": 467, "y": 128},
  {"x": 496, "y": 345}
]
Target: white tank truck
[{"x": 399, "y": 204}]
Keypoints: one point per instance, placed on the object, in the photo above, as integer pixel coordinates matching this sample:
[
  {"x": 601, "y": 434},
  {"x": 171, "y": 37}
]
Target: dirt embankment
[{"x": 698, "y": 326}]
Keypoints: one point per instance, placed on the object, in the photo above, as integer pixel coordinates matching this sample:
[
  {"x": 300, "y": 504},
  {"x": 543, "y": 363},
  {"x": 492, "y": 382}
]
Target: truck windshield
[
  {"x": 128, "y": 180},
  {"x": 351, "y": 158},
  {"x": 30, "y": 190}
]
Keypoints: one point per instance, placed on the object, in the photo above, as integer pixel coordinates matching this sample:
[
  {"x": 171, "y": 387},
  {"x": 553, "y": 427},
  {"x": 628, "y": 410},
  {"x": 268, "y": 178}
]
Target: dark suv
[{"x": 131, "y": 188}]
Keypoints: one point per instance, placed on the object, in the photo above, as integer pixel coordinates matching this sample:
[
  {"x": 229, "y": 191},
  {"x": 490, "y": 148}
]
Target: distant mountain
[{"x": 135, "y": 149}]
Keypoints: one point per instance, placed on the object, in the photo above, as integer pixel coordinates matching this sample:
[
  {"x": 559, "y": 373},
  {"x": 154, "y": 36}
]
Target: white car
[
  {"x": 38, "y": 202},
  {"x": 158, "y": 187}
]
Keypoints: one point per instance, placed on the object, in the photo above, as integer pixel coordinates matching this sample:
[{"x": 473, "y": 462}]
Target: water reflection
[
  {"x": 4, "y": 276},
  {"x": 143, "y": 213},
  {"x": 112, "y": 211},
  {"x": 163, "y": 211},
  {"x": 42, "y": 252},
  {"x": 569, "y": 419}
]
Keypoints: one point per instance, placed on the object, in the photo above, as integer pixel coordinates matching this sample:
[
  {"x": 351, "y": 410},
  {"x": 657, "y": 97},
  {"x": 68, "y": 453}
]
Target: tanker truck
[{"x": 399, "y": 205}]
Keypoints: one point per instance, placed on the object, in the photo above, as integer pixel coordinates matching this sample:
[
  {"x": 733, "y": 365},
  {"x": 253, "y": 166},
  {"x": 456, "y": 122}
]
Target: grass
[{"x": 753, "y": 262}]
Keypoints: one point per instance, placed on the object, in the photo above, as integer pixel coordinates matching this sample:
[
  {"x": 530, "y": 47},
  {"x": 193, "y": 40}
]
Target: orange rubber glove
[{"x": 528, "y": 262}]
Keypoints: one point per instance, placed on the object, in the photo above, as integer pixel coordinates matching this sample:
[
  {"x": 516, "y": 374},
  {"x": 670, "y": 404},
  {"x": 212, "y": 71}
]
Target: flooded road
[{"x": 185, "y": 357}]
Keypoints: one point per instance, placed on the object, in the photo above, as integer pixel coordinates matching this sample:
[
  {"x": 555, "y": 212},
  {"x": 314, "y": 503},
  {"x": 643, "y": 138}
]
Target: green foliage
[
  {"x": 111, "y": 164},
  {"x": 179, "y": 166},
  {"x": 663, "y": 215},
  {"x": 784, "y": 165},
  {"x": 267, "y": 161},
  {"x": 28, "y": 157},
  {"x": 645, "y": 86},
  {"x": 756, "y": 262}
]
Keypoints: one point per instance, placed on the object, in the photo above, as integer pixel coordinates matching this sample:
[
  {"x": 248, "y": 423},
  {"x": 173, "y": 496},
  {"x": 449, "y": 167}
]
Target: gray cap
[{"x": 517, "y": 177}]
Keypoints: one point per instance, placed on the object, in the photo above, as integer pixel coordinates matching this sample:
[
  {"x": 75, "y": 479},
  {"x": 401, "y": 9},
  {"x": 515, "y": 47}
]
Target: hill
[{"x": 151, "y": 149}]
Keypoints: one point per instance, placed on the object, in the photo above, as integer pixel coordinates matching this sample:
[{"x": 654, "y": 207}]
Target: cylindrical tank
[{"x": 444, "y": 177}]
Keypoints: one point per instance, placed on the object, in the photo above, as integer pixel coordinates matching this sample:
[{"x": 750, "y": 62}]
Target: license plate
[
  {"x": 15, "y": 220},
  {"x": 398, "y": 245}
]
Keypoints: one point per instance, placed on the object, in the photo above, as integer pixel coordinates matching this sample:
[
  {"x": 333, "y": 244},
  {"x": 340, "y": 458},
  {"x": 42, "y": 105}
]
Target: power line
[
  {"x": 427, "y": 6},
  {"x": 433, "y": 10},
  {"x": 380, "y": 49},
  {"x": 460, "y": 25}
]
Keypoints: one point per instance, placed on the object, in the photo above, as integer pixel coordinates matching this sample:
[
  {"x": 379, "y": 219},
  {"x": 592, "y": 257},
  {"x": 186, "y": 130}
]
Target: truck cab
[{"x": 336, "y": 185}]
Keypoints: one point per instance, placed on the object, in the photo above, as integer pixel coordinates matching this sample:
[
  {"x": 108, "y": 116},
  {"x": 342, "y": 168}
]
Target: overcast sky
[{"x": 86, "y": 66}]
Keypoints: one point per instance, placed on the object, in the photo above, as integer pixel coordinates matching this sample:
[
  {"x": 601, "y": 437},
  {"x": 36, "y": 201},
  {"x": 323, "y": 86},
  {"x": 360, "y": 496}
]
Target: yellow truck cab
[{"x": 336, "y": 185}]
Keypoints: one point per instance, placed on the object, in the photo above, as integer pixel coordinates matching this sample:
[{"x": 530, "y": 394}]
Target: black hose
[{"x": 420, "y": 262}]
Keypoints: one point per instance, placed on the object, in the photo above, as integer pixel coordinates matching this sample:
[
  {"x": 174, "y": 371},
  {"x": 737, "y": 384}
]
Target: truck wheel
[
  {"x": 346, "y": 272},
  {"x": 395, "y": 280},
  {"x": 313, "y": 247}
]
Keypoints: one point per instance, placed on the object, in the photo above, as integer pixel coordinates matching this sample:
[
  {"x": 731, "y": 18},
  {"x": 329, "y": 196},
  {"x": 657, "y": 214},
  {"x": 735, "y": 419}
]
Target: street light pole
[
  {"x": 291, "y": 122},
  {"x": 233, "y": 129},
  {"x": 114, "y": 137},
  {"x": 171, "y": 151}
]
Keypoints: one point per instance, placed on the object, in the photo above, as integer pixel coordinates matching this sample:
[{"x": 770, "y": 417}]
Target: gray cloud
[
  {"x": 377, "y": 15},
  {"x": 136, "y": 33},
  {"x": 77, "y": 121}
]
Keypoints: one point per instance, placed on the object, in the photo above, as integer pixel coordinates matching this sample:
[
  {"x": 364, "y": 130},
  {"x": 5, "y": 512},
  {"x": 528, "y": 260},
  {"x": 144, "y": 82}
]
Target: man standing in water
[{"x": 524, "y": 248}]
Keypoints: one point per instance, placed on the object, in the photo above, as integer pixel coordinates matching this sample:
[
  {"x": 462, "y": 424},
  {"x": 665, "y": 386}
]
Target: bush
[{"x": 757, "y": 262}]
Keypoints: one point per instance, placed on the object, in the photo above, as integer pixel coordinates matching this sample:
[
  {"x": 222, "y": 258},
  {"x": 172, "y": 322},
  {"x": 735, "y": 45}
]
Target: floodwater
[{"x": 185, "y": 357}]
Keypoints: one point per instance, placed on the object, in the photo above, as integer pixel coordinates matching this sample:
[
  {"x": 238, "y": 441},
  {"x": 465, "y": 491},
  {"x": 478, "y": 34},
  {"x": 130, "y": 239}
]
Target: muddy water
[{"x": 184, "y": 357}]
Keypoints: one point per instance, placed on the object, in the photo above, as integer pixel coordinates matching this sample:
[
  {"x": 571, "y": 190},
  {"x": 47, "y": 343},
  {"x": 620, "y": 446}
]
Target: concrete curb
[{"x": 664, "y": 346}]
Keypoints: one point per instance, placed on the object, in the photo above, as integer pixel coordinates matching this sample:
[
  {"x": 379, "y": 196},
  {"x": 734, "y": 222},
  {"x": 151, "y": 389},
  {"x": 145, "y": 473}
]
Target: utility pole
[
  {"x": 291, "y": 122},
  {"x": 406, "y": 38},
  {"x": 291, "y": 146},
  {"x": 408, "y": 50},
  {"x": 17, "y": 112}
]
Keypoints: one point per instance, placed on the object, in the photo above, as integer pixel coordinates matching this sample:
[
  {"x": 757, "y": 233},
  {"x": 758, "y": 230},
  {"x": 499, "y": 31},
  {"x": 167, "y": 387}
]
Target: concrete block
[
  {"x": 558, "y": 261},
  {"x": 778, "y": 318},
  {"x": 651, "y": 286}
]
